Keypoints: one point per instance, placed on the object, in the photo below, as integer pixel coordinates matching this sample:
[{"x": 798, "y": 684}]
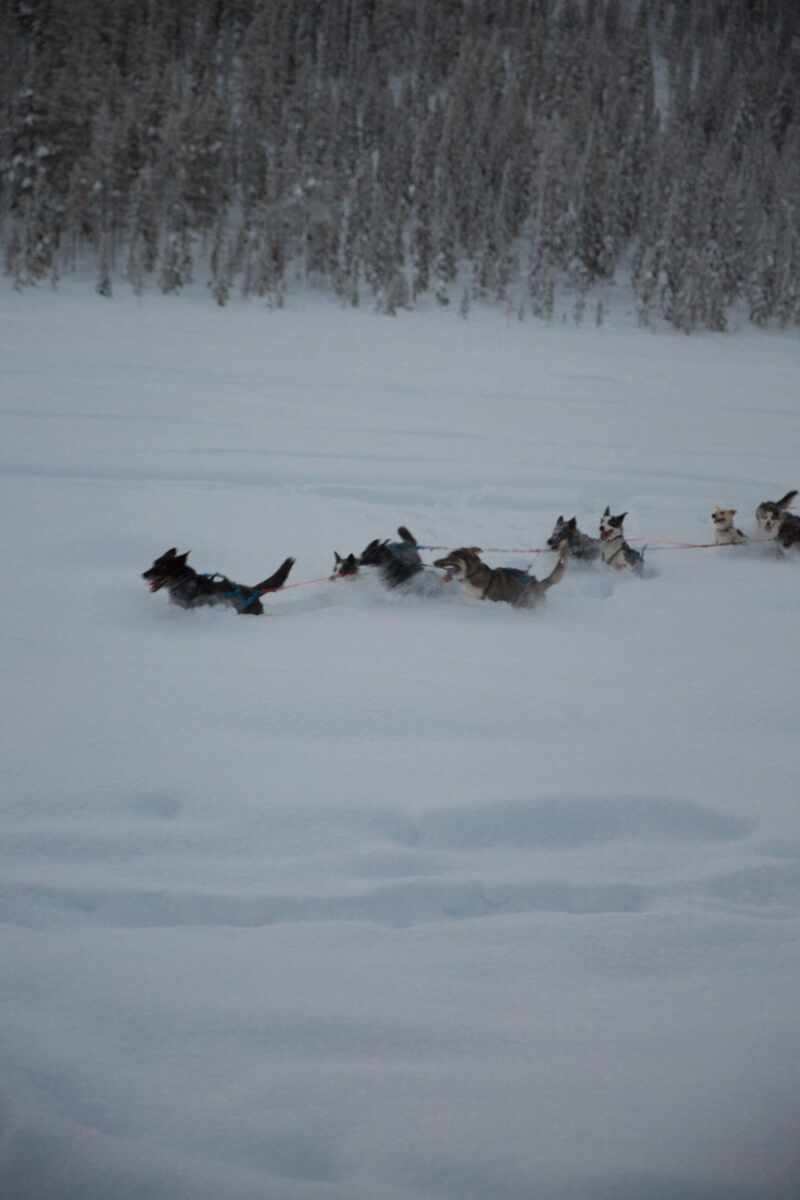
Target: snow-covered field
[{"x": 384, "y": 897}]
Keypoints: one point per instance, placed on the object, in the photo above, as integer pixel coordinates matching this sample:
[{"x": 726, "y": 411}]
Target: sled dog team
[{"x": 399, "y": 562}]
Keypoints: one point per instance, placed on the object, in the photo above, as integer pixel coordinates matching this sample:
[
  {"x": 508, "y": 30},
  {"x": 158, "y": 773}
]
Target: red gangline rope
[{"x": 651, "y": 545}]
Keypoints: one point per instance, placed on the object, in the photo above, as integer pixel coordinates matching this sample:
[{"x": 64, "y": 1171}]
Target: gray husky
[
  {"x": 506, "y": 584},
  {"x": 773, "y": 517},
  {"x": 579, "y": 544}
]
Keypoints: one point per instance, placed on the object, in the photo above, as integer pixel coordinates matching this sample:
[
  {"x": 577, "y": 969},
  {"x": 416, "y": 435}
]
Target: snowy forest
[{"x": 500, "y": 151}]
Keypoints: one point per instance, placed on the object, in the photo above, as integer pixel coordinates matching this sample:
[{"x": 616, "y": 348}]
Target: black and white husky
[
  {"x": 398, "y": 563},
  {"x": 579, "y": 545},
  {"x": 774, "y": 519},
  {"x": 615, "y": 550},
  {"x": 725, "y": 532}
]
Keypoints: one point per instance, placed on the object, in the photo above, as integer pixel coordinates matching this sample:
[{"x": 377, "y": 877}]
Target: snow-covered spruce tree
[
  {"x": 762, "y": 283},
  {"x": 422, "y": 248},
  {"x": 444, "y": 271},
  {"x": 143, "y": 238},
  {"x": 222, "y": 257},
  {"x": 201, "y": 162},
  {"x": 176, "y": 258},
  {"x": 423, "y": 198},
  {"x": 551, "y": 223},
  {"x": 788, "y": 304},
  {"x": 593, "y": 239}
]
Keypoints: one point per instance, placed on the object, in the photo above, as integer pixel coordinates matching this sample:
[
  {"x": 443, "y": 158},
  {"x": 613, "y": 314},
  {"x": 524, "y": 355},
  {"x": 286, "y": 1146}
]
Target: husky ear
[
  {"x": 785, "y": 501},
  {"x": 336, "y": 556},
  {"x": 607, "y": 513},
  {"x": 620, "y": 518},
  {"x": 560, "y": 519},
  {"x": 572, "y": 523},
  {"x": 170, "y": 553}
]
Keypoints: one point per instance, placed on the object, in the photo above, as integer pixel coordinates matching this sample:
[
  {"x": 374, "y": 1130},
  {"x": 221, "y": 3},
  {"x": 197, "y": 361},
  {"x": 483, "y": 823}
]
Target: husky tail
[
  {"x": 557, "y": 573},
  {"x": 275, "y": 581}
]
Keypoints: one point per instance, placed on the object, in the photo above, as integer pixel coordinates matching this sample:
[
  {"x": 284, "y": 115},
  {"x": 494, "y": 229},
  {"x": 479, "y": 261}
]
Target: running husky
[
  {"x": 725, "y": 532},
  {"x": 579, "y": 544},
  {"x": 506, "y": 584},
  {"x": 773, "y": 517},
  {"x": 615, "y": 550},
  {"x": 398, "y": 562},
  {"x": 344, "y": 568},
  {"x": 188, "y": 589}
]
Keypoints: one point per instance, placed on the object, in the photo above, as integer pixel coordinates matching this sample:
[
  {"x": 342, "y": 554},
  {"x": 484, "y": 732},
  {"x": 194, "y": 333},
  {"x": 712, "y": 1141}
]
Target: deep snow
[{"x": 384, "y": 897}]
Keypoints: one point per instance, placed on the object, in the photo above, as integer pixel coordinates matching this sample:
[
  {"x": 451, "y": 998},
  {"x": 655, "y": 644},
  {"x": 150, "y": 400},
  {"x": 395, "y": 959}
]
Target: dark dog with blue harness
[{"x": 188, "y": 589}]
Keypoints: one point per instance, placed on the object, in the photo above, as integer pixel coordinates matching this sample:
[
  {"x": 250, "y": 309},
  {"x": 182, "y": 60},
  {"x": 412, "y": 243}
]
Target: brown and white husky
[{"x": 506, "y": 584}]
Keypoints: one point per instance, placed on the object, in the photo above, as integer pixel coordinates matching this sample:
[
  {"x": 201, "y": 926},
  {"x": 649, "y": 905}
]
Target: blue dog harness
[{"x": 241, "y": 597}]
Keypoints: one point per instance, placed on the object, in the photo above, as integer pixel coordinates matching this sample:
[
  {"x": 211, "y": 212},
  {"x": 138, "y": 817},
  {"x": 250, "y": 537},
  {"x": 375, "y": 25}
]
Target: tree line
[{"x": 508, "y": 151}]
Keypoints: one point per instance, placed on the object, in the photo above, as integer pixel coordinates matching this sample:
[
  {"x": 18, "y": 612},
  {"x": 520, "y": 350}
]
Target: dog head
[
  {"x": 723, "y": 519},
  {"x": 562, "y": 532},
  {"x": 344, "y": 568},
  {"x": 166, "y": 569},
  {"x": 611, "y": 527},
  {"x": 459, "y": 564},
  {"x": 770, "y": 513}
]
